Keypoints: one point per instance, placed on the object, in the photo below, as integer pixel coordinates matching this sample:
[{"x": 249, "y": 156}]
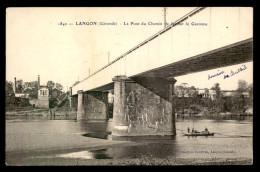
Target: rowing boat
[{"x": 198, "y": 134}]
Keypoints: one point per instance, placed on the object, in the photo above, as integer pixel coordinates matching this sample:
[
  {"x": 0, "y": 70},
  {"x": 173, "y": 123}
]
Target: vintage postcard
[{"x": 116, "y": 86}]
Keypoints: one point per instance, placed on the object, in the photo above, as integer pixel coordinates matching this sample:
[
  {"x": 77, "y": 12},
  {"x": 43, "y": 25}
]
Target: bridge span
[{"x": 143, "y": 77}]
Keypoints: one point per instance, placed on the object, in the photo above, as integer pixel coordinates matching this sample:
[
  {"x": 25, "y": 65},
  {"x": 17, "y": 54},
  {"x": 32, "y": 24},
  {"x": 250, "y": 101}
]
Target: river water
[{"x": 233, "y": 139}]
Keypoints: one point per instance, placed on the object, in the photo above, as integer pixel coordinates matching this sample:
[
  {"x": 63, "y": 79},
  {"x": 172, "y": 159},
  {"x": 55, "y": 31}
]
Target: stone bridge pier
[
  {"x": 92, "y": 105},
  {"x": 143, "y": 106}
]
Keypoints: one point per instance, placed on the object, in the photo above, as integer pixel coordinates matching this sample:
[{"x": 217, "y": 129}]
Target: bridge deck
[{"x": 227, "y": 39}]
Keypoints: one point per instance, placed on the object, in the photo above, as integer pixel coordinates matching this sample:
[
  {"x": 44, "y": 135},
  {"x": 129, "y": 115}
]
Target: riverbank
[{"x": 41, "y": 113}]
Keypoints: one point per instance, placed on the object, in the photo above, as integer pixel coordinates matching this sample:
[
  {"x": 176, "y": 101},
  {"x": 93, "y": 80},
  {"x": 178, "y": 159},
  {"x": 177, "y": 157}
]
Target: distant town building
[
  {"x": 43, "y": 92},
  {"x": 23, "y": 95},
  {"x": 204, "y": 93},
  {"x": 43, "y": 96}
]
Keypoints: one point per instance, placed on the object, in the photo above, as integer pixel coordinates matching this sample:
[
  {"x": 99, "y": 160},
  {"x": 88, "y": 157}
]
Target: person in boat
[
  {"x": 188, "y": 130},
  {"x": 192, "y": 130},
  {"x": 206, "y": 130}
]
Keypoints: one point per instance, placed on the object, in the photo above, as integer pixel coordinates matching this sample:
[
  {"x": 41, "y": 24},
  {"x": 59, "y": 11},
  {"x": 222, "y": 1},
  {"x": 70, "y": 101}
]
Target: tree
[
  {"x": 19, "y": 86},
  {"x": 250, "y": 90},
  {"x": 242, "y": 85},
  {"x": 33, "y": 85},
  {"x": 26, "y": 85},
  {"x": 192, "y": 91},
  {"x": 181, "y": 90},
  {"x": 9, "y": 87},
  {"x": 218, "y": 102},
  {"x": 50, "y": 85},
  {"x": 184, "y": 91},
  {"x": 34, "y": 89},
  {"x": 216, "y": 89},
  {"x": 59, "y": 86}
]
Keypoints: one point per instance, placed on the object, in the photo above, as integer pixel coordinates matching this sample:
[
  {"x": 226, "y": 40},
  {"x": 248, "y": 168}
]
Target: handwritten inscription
[
  {"x": 214, "y": 75},
  {"x": 230, "y": 74}
]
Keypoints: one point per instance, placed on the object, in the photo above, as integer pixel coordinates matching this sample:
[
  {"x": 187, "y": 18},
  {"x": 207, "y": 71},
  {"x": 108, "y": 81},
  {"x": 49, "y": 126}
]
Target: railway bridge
[{"x": 143, "y": 77}]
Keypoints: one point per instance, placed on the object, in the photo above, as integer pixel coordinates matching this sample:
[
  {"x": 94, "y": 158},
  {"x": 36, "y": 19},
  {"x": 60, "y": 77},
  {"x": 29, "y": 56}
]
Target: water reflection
[
  {"x": 81, "y": 155},
  {"x": 101, "y": 127},
  {"x": 94, "y": 154},
  {"x": 99, "y": 135}
]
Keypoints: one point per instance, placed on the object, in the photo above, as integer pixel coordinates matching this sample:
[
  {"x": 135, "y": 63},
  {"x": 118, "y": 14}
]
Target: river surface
[{"x": 233, "y": 139}]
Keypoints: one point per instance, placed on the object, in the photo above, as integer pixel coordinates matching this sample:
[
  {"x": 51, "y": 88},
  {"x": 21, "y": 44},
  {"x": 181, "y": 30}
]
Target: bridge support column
[
  {"x": 80, "y": 111},
  {"x": 171, "y": 82},
  {"x": 120, "y": 120},
  {"x": 143, "y": 106},
  {"x": 96, "y": 105}
]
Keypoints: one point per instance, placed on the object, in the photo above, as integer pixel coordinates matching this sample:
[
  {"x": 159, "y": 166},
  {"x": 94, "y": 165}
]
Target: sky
[{"x": 41, "y": 41}]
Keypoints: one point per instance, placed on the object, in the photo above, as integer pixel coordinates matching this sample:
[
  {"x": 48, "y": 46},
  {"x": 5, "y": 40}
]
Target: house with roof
[{"x": 43, "y": 96}]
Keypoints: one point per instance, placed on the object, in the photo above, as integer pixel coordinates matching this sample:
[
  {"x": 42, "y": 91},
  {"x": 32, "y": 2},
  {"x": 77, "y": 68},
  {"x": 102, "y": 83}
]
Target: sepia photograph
[{"x": 129, "y": 86}]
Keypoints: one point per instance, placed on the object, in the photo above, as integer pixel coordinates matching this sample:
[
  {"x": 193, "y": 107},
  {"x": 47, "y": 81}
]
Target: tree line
[{"x": 188, "y": 96}]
